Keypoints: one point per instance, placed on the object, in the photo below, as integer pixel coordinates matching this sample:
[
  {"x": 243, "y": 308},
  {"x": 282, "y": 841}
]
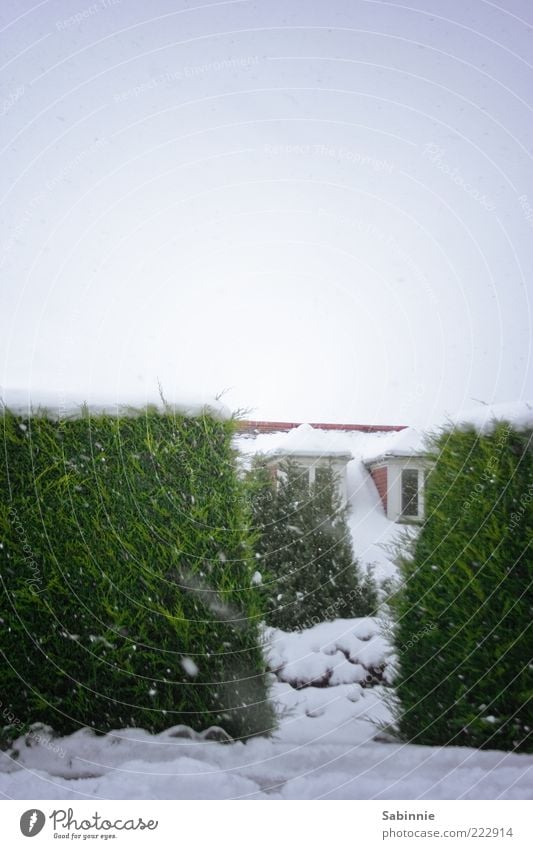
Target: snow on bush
[
  {"x": 346, "y": 651},
  {"x": 485, "y": 418}
]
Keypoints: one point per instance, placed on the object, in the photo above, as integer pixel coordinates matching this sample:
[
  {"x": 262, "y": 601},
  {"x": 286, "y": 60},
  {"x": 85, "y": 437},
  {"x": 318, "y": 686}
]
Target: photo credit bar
[{"x": 169, "y": 823}]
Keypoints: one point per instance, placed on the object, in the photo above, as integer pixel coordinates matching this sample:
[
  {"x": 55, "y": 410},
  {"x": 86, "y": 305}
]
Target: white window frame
[{"x": 395, "y": 467}]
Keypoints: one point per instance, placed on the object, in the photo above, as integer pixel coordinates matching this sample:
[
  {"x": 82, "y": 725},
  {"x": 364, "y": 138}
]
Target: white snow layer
[
  {"x": 401, "y": 443},
  {"x": 484, "y": 418},
  {"x": 61, "y": 405},
  {"x": 370, "y": 446},
  {"x": 344, "y": 651},
  {"x": 306, "y": 438}
]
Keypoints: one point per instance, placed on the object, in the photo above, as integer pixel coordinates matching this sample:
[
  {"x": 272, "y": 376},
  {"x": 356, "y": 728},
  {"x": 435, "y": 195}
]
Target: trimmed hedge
[
  {"x": 304, "y": 549},
  {"x": 464, "y": 633},
  {"x": 126, "y": 574}
]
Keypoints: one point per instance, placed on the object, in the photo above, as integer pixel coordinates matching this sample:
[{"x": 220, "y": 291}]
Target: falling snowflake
[{"x": 189, "y": 666}]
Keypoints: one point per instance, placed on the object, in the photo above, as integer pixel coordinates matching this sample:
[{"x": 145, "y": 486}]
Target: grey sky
[{"x": 326, "y": 207}]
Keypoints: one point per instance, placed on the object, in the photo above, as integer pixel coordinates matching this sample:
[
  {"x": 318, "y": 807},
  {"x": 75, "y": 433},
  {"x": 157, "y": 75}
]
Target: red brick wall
[{"x": 379, "y": 476}]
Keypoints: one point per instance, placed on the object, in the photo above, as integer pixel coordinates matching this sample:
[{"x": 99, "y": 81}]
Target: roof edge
[
  {"x": 251, "y": 425},
  {"x": 381, "y": 459},
  {"x": 287, "y": 453}
]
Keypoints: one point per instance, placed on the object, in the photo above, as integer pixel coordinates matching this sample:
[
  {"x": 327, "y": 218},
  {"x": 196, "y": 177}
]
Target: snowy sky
[{"x": 324, "y": 207}]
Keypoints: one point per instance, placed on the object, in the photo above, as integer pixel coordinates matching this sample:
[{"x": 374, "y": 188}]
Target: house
[
  {"x": 393, "y": 457},
  {"x": 399, "y": 471},
  {"x": 311, "y": 461}
]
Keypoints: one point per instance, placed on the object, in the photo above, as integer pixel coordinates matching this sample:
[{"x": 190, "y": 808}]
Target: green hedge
[
  {"x": 464, "y": 632},
  {"x": 126, "y": 574}
]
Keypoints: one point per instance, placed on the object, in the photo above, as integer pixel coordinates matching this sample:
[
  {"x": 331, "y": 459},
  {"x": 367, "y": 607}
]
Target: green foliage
[
  {"x": 304, "y": 549},
  {"x": 465, "y": 610},
  {"x": 126, "y": 576}
]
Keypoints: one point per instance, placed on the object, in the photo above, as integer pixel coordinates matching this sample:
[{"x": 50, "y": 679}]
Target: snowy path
[
  {"x": 344, "y": 763},
  {"x": 324, "y": 746},
  {"x": 307, "y": 759}
]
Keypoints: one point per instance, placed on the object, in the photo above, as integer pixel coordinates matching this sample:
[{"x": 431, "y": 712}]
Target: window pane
[
  {"x": 410, "y": 492},
  {"x": 322, "y": 476}
]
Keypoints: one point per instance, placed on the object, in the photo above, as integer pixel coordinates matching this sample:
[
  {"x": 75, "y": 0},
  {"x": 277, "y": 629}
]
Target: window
[
  {"x": 410, "y": 496},
  {"x": 322, "y": 477}
]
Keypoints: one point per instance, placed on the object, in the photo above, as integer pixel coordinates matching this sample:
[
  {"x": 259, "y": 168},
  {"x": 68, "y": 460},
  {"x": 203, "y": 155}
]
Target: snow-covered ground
[{"x": 325, "y": 746}]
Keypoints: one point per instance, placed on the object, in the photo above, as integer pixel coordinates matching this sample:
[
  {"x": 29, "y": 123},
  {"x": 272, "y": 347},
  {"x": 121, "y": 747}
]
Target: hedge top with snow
[
  {"x": 66, "y": 405},
  {"x": 486, "y": 418},
  {"x": 127, "y": 571}
]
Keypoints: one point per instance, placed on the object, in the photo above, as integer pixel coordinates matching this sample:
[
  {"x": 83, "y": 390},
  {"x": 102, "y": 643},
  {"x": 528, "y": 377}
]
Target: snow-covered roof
[
  {"x": 406, "y": 443},
  {"x": 70, "y": 405},
  {"x": 314, "y": 441},
  {"x": 307, "y": 441}
]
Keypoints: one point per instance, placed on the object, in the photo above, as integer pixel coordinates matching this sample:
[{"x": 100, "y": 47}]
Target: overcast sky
[{"x": 323, "y": 206}]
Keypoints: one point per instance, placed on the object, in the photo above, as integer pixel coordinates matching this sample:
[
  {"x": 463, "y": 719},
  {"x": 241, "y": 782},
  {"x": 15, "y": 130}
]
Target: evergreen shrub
[
  {"x": 464, "y": 613},
  {"x": 127, "y": 576},
  {"x": 304, "y": 548}
]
